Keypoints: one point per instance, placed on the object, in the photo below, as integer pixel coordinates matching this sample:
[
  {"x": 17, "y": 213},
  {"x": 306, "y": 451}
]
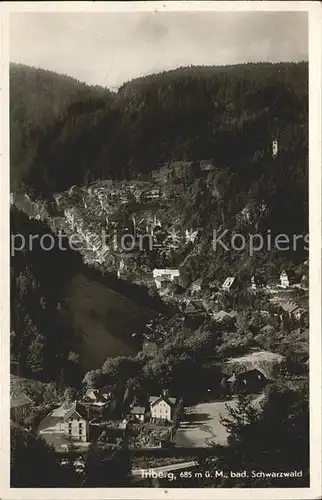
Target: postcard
[{"x": 161, "y": 250}]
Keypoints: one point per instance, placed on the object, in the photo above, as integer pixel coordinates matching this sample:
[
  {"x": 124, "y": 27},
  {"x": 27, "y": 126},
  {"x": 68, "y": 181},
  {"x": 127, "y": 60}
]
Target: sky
[{"x": 110, "y": 48}]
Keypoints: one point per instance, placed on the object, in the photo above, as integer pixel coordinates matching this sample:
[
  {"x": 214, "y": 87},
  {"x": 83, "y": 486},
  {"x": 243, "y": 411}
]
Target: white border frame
[{"x": 315, "y": 133}]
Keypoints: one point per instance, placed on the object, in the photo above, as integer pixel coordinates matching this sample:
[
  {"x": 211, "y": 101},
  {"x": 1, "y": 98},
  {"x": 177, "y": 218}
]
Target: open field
[
  {"x": 104, "y": 319},
  {"x": 202, "y": 427}
]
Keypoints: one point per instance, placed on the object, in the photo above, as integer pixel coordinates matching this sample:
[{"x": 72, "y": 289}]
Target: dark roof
[
  {"x": 155, "y": 399},
  {"x": 76, "y": 408},
  {"x": 138, "y": 410},
  {"x": 105, "y": 389},
  {"x": 248, "y": 375}
]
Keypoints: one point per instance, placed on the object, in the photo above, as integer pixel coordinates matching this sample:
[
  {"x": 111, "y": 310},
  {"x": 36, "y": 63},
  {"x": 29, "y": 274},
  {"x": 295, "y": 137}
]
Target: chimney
[{"x": 165, "y": 392}]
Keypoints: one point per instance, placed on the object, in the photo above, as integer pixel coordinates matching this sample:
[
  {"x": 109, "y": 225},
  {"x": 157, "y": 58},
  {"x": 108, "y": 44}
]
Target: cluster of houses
[
  {"x": 159, "y": 408},
  {"x": 163, "y": 277},
  {"x": 75, "y": 422},
  {"x": 194, "y": 301},
  {"x": 139, "y": 191}
]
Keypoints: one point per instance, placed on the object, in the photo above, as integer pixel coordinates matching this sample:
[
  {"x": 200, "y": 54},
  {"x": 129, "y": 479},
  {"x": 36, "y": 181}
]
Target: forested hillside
[
  {"x": 42, "y": 339},
  {"x": 37, "y": 98},
  {"x": 230, "y": 114}
]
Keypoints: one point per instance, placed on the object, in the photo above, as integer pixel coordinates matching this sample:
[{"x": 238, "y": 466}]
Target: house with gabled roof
[
  {"x": 100, "y": 396},
  {"x": 250, "y": 381},
  {"x": 76, "y": 423},
  {"x": 228, "y": 283},
  {"x": 287, "y": 278},
  {"x": 165, "y": 276},
  {"x": 138, "y": 412},
  {"x": 162, "y": 407},
  {"x": 20, "y": 405}
]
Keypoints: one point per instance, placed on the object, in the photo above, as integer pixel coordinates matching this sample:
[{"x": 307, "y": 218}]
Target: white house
[
  {"x": 228, "y": 283},
  {"x": 75, "y": 423},
  {"x": 274, "y": 148},
  {"x": 285, "y": 283},
  {"x": 162, "y": 407},
  {"x": 160, "y": 275}
]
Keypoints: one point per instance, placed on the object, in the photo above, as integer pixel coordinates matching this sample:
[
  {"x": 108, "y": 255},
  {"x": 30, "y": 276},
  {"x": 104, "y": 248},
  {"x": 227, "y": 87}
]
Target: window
[
  {"x": 69, "y": 431},
  {"x": 80, "y": 425}
]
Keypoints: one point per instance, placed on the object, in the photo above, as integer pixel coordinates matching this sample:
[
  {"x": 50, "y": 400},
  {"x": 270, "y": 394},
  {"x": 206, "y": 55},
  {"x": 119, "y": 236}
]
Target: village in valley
[
  {"x": 132, "y": 230},
  {"x": 160, "y": 260}
]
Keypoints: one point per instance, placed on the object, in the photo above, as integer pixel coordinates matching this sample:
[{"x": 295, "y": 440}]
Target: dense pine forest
[
  {"x": 70, "y": 133},
  {"x": 37, "y": 98},
  {"x": 230, "y": 114},
  {"x": 43, "y": 341}
]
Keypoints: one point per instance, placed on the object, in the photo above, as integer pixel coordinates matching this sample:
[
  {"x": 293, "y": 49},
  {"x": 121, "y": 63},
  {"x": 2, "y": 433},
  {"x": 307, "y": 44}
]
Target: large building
[
  {"x": 76, "y": 424},
  {"x": 162, "y": 407}
]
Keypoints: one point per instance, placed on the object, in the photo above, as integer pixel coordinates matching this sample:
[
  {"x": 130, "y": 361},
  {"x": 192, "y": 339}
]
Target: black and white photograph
[{"x": 161, "y": 269}]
